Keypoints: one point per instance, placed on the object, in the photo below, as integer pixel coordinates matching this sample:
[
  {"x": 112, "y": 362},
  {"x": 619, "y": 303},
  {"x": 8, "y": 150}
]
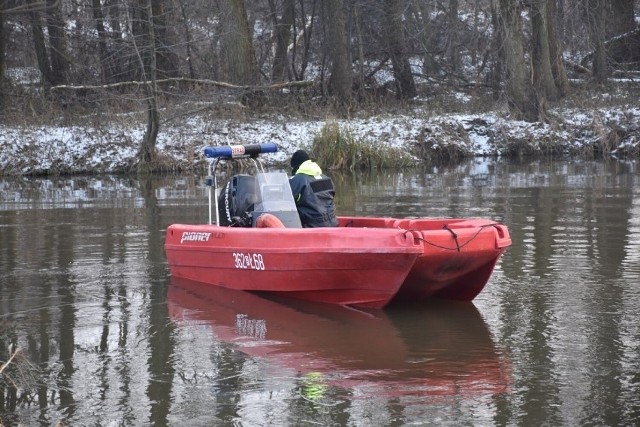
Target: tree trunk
[
  {"x": 476, "y": 24},
  {"x": 116, "y": 38},
  {"x": 103, "y": 53},
  {"x": 453, "y": 48},
  {"x": 147, "y": 152},
  {"x": 279, "y": 72},
  {"x": 429, "y": 65},
  {"x": 540, "y": 53},
  {"x": 166, "y": 59},
  {"x": 620, "y": 17},
  {"x": 40, "y": 49},
  {"x": 140, "y": 21},
  {"x": 340, "y": 79},
  {"x": 307, "y": 32},
  {"x": 57, "y": 42},
  {"x": 405, "y": 85},
  {"x": 523, "y": 101},
  {"x": 189, "y": 41},
  {"x": 596, "y": 13},
  {"x": 360, "y": 82},
  {"x": 2, "y": 61},
  {"x": 242, "y": 67},
  {"x": 495, "y": 75},
  {"x": 555, "y": 52}
]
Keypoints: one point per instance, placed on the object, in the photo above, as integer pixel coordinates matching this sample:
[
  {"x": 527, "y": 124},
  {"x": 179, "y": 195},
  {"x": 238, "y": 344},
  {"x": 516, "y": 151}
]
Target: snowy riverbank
[{"x": 62, "y": 149}]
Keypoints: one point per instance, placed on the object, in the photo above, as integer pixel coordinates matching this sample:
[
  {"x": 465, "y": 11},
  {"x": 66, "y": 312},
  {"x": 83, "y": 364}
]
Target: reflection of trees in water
[
  {"x": 56, "y": 262},
  {"x": 230, "y": 384},
  {"x": 18, "y": 377},
  {"x": 42, "y": 311},
  {"x": 571, "y": 222},
  {"x": 160, "y": 334},
  {"x": 563, "y": 292}
]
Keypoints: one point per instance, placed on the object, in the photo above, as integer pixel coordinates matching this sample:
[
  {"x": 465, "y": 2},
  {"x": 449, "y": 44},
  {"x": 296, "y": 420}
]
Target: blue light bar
[{"x": 233, "y": 151}]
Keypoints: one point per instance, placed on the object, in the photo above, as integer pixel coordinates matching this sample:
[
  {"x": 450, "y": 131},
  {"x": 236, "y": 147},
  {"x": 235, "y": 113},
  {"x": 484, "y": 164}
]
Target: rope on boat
[
  {"x": 459, "y": 246},
  {"x": 455, "y": 236}
]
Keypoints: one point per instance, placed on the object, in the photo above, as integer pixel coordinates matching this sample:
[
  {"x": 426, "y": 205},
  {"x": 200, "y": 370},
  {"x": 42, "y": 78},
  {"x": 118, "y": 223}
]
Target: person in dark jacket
[{"x": 313, "y": 192}]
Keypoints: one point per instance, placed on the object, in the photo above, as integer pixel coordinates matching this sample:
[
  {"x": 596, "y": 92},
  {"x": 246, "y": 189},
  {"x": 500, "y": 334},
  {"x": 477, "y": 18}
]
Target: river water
[{"x": 102, "y": 336}]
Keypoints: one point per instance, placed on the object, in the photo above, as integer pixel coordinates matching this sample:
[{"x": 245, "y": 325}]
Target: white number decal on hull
[{"x": 248, "y": 261}]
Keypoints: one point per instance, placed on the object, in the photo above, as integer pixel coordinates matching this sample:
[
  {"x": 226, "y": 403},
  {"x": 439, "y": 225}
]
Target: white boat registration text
[{"x": 248, "y": 261}]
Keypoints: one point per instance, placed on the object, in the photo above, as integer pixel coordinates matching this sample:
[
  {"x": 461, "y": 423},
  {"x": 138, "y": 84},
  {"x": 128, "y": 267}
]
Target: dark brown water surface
[{"x": 103, "y": 336}]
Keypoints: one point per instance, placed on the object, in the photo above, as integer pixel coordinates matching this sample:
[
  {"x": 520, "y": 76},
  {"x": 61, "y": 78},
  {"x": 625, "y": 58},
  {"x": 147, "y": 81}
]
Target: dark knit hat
[{"x": 298, "y": 158}]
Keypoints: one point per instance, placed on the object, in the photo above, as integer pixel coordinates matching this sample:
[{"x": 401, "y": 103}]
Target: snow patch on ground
[{"x": 69, "y": 149}]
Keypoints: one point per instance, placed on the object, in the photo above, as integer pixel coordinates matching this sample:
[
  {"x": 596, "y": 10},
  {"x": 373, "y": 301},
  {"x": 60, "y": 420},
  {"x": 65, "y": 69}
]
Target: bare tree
[
  {"x": 166, "y": 58},
  {"x": 523, "y": 101},
  {"x": 453, "y": 48},
  {"x": 103, "y": 50},
  {"x": 341, "y": 79},
  {"x": 421, "y": 11},
  {"x": 40, "y": 48},
  {"x": 110, "y": 43},
  {"x": 237, "y": 43},
  {"x": 555, "y": 52},
  {"x": 283, "y": 25},
  {"x": 619, "y": 17},
  {"x": 57, "y": 42},
  {"x": 596, "y": 13},
  {"x": 540, "y": 53},
  {"x": 357, "y": 22},
  {"x": 2, "y": 50},
  {"x": 147, "y": 60},
  {"x": 188, "y": 41},
  {"x": 394, "y": 30},
  {"x": 115, "y": 15},
  {"x": 495, "y": 74},
  {"x": 50, "y": 51},
  {"x": 302, "y": 34}
]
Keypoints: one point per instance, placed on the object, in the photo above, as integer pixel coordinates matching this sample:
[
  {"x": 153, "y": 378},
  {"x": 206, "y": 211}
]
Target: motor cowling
[{"x": 236, "y": 201}]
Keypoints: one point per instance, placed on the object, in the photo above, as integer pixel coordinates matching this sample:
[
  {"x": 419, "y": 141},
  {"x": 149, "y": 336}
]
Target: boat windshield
[{"x": 274, "y": 196}]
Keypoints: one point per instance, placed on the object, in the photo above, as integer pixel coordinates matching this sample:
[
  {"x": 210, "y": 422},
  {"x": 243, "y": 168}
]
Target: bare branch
[
  {"x": 276, "y": 86},
  {"x": 26, "y": 8}
]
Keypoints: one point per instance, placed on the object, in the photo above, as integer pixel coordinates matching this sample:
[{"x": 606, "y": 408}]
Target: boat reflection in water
[{"x": 437, "y": 348}]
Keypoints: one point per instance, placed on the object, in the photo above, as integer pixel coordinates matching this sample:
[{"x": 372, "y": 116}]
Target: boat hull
[
  {"x": 357, "y": 267},
  {"x": 458, "y": 255},
  {"x": 365, "y": 262}
]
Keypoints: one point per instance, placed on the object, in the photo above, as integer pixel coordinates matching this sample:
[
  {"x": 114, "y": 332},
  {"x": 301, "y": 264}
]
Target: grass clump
[{"x": 340, "y": 150}]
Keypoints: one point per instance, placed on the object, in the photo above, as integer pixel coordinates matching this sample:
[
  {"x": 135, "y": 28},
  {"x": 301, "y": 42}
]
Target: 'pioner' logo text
[{"x": 195, "y": 236}]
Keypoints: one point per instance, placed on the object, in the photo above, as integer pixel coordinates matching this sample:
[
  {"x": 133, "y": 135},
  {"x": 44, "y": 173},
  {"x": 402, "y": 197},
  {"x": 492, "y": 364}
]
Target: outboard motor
[{"x": 236, "y": 201}]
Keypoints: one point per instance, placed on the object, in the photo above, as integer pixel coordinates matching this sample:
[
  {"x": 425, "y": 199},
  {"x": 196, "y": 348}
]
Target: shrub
[{"x": 333, "y": 148}]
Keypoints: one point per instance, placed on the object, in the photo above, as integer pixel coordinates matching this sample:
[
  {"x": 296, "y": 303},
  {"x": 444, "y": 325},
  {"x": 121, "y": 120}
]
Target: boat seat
[{"x": 267, "y": 220}]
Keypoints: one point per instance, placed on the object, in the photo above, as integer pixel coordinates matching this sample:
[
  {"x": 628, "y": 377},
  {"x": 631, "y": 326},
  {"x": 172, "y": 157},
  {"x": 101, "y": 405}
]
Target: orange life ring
[{"x": 268, "y": 220}]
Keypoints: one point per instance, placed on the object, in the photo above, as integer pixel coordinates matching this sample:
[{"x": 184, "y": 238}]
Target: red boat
[
  {"x": 457, "y": 259},
  {"x": 364, "y": 262},
  {"x": 440, "y": 348},
  {"x": 350, "y": 266}
]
